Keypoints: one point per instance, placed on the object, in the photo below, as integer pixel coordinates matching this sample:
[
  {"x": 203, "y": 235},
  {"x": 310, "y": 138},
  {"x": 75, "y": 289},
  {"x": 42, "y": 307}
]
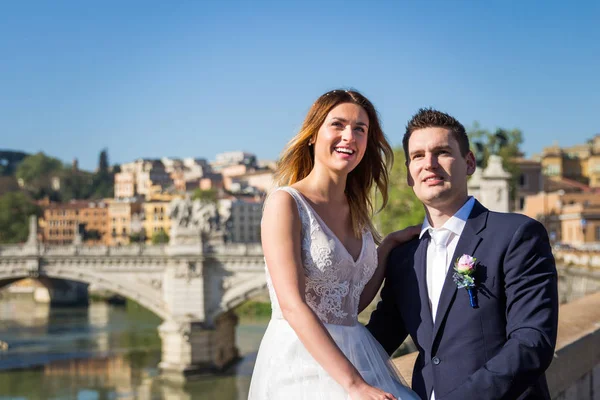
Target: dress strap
[{"x": 300, "y": 202}]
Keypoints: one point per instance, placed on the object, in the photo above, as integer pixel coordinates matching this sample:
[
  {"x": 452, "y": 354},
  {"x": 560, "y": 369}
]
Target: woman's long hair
[{"x": 297, "y": 159}]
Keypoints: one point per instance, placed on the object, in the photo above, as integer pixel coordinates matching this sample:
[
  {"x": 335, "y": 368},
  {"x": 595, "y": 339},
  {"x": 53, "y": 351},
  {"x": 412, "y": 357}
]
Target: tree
[
  {"x": 9, "y": 161},
  {"x": 403, "y": 208},
  {"x": 160, "y": 237},
  {"x": 15, "y": 209},
  {"x": 75, "y": 184},
  {"x": 103, "y": 162},
  {"x": 36, "y": 166},
  {"x": 209, "y": 195},
  {"x": 135, "y": 237},
  {"x": 509, "y": 151},
  {"x": 36, "y": 173},
  {"x": 103, "y": 179},
  {"x": 102, "y": 188},
  {"x": 8, "y": 184}
]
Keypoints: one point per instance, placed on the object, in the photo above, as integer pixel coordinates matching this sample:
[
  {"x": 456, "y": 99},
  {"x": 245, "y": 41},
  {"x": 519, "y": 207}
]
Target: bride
[{"x": 322, "y": 261}]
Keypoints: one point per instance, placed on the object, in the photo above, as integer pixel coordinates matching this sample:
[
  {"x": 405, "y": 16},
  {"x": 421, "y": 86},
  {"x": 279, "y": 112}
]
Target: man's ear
[
  {"x": 471, "y": 164},
  {"x": 409, "y": 180}
]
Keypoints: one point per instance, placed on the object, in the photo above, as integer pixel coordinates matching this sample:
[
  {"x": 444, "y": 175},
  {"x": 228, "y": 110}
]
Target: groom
[{"x": 498, "y": 344}]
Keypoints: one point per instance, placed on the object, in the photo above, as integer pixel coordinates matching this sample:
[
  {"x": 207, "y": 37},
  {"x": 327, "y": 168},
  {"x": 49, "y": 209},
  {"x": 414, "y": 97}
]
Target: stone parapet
[
  {"x": 576, "y": 364},
  {"x": 575, "y": 282},
  {"x": 575, "y": 372},
  {"x": 230, "y": 249},
  {"x": 583, "y": 258}
]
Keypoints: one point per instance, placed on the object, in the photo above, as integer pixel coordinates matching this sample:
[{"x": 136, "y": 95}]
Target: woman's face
[{"x": 342, "y": 139}]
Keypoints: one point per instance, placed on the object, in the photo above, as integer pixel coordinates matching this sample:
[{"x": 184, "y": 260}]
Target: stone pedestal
[
  {"x": 32, "y": 246},
  {"x": 490, "y": 186},
  {"x": 185, "y": 241},
  {"x": 474, "y": 184},
  {"x": 494, "y": 187},
  {"x": 190, "y": 349}
]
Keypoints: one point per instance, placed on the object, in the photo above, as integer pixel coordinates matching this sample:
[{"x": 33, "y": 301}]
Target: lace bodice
[{"x": 333, "y": 280}]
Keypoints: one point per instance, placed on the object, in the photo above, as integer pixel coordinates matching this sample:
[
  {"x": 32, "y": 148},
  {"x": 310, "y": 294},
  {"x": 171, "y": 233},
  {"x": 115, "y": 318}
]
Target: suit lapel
[
  {"x": 467, "y": 244},
  {"x": 425, "y": 312}
]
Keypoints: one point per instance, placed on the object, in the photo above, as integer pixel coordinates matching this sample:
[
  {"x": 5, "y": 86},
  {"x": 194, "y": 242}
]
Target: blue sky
[{"x": 195, "y": 78}]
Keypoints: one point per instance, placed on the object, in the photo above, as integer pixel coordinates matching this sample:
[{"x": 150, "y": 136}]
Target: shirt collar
[{"x": 456, "y": 223}]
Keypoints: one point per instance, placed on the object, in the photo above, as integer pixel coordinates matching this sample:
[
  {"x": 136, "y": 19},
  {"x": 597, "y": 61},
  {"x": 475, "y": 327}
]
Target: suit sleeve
[
  {"x": 531, "y": 320},
  {"x": 386, "y": 324}
]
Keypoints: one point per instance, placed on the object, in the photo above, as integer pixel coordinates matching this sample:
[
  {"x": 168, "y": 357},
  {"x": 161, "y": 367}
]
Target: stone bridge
[
  {"x": 193, "y": 285},
  {"x": 193, "y": 288}
]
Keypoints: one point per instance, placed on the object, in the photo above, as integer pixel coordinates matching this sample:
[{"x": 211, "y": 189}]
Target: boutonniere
[{"x": 464, "y": 268}]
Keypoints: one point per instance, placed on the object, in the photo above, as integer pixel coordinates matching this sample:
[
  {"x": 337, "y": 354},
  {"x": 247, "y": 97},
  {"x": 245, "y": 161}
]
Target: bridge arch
[
  {"x": 239, "y": 294},
  {"x": 146, "y": 298}
]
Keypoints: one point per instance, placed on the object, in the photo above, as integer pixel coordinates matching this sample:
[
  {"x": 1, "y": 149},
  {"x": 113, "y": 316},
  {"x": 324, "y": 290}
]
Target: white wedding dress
[{"x": 284, "y": 369}]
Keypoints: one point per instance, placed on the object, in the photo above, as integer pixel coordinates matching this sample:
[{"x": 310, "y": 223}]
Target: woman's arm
[
  {"x": 383, "y": 251},
  {"x": 281, "y": 241}
]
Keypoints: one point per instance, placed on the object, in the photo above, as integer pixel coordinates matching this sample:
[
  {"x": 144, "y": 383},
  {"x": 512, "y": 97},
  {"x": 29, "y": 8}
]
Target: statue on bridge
[{"x": 192, "y": 220}]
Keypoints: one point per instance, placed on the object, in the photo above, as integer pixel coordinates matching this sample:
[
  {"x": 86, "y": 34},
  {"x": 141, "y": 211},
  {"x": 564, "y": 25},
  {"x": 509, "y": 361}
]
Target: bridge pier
[{"x": 191, "y": 348}]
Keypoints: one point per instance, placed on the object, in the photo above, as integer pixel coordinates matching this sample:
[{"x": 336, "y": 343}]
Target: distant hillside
[{"x": 9, "y": 161}]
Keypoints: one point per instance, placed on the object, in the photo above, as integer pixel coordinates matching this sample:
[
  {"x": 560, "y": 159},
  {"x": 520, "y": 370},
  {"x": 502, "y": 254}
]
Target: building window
[
  {"x": 595, "y": 168},
  {"x": 523, "y": 180},
  {"x": 598, "y": 233},
  {"x": 552, "y": 170},
  {"x": 521, "y": 202}
]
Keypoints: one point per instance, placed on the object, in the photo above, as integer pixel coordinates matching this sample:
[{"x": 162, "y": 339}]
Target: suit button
[{"x": 435, "y": 360}]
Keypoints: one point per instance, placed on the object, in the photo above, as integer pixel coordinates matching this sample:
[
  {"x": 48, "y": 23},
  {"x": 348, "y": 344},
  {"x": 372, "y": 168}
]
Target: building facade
[
  {"x": 156, "y": 215},
  {"x": 62, "y": 221},
  {"x": 144, "y": 173},
  {"x": 121, "y": 217},
  {"x": 531, "y": 182},
  {"x": 125, "y": 185},
  {"x": 244, "y": 216},
  {"x": 579, "y": 163}
]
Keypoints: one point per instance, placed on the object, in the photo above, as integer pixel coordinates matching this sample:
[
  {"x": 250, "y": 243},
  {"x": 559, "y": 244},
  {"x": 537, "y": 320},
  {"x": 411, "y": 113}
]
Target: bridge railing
[
  {"x": 12, "y": 249},
  {"x": 583, "y": 258},
  {"x": 239, "y": 249},
  {"x": 236, "y": 249}
]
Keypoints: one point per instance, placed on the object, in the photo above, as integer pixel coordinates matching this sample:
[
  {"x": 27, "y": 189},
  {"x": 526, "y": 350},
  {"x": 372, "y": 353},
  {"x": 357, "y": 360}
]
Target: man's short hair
[{"x": 430, "y": 118}]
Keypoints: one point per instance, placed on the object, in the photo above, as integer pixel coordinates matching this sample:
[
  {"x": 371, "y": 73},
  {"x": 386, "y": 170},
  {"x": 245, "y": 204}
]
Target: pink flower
[{"x": 465, "y": 264}]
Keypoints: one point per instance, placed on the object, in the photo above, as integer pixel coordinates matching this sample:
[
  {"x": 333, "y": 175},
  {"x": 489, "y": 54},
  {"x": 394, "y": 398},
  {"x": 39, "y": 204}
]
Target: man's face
[{"x": 437, "y": 171}]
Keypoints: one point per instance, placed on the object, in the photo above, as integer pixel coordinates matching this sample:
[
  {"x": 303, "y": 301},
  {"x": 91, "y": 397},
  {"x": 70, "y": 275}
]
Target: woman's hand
[
  {"x": 389, "y": 242},
  {"x": 397, "y": 238},
  {"x": 363, "y": 391}
]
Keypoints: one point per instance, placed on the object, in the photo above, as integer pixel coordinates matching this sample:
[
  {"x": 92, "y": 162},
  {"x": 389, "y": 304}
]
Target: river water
[{"x": 103, "y": 352}]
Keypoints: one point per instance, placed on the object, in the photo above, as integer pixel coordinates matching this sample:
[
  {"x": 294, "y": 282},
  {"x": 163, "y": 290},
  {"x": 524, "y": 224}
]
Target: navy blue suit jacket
[{"x": 498, "y": 350}]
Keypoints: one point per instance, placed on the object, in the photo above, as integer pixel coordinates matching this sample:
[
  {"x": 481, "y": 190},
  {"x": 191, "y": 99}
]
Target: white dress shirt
[{"x": 439, "y": 254}]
